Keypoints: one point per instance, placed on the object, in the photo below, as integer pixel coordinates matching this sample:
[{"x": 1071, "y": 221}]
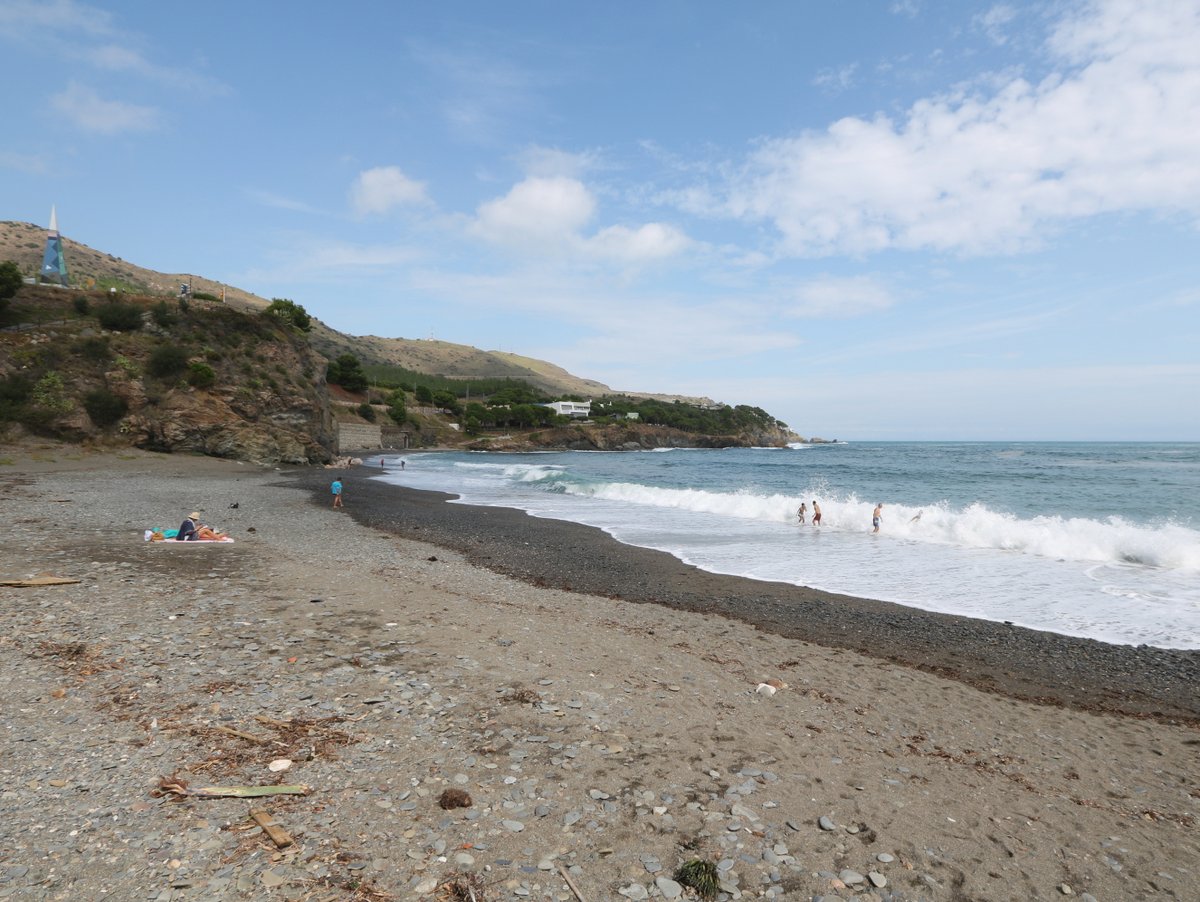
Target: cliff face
[
  {"x": 627, "y": 437},
  {"x": 207, "y": 379},
  {"x": 210, "y": 379}
]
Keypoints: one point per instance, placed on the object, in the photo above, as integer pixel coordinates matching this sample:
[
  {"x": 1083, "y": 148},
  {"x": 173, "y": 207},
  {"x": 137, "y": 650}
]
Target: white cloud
[
  {"x": 279, "y": 202},
  {"x": 87, "y": 110},
  {"x": 547, "y": 217},
  {"x": 380, "y": 190},
  {"x": 832, "y": 296},
  {"x": 836, "y": 80},
  {"x": 652, "y": 241},
  {"x": 993, "y": 22},
  {"x": 119, "y": 58},
  {"x": 1112, "y": 131},
  {"x": 25, "y": 16},
  {"x": 23, "y": 162},
  {"x": 537, "y": 209},
  {"x": 550, "y": 162}
]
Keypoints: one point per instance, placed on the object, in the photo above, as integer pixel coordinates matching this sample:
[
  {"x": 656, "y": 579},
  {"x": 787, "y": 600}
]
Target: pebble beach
[{"x": 448, "y": 703}]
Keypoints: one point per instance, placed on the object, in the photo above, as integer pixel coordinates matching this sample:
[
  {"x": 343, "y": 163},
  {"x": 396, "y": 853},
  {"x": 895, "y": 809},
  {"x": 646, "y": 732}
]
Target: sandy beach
[{"x": 600, "y": 707}]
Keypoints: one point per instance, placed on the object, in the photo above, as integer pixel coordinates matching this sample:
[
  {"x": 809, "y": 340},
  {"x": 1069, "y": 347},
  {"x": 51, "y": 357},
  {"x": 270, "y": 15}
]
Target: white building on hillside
[{"x": 577, "y": 409}]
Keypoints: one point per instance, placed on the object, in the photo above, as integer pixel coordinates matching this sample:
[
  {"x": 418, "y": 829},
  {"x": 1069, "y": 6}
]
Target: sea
[{"x": 1084, "y": 539}]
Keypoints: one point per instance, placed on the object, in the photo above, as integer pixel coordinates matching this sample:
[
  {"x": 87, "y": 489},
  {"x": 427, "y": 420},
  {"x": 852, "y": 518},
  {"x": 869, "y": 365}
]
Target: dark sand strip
[{"x": 1012, "y": 661}]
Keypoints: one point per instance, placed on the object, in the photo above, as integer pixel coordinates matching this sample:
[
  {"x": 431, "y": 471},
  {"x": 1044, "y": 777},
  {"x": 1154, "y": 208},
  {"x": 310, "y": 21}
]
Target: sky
[{"x": 876, "y": 220}]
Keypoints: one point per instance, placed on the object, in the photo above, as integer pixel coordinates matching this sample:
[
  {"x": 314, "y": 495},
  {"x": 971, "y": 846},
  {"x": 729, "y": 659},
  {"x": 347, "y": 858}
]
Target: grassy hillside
[{"x": 24, "y": 243}]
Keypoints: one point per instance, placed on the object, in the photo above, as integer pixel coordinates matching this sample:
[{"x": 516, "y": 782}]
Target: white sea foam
[
  {"x": 1076, "y": 539},
  {"x": 1114, "y": 578}
]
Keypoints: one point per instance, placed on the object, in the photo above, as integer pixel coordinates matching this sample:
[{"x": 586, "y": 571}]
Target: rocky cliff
[
  {"x": 206, "y": 379},
  {"x": 627, "y": 437}
]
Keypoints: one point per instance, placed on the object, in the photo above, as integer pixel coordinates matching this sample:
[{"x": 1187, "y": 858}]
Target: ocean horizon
[{"x": 1091, "y": 539}]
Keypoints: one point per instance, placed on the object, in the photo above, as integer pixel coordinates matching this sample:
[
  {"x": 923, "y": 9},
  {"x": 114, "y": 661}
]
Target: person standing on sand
[
  {"x": 877, "y": 516},
  {"x": 800, "y": 513},
  {"x": 816, "y": 513},
  {"x": 336, "y": 488}
]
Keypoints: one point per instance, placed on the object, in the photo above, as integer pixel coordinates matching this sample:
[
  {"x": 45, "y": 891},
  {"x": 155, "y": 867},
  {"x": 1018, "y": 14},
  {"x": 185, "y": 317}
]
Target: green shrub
[
  {"x": 201, "y": 375},
  {"x": 166, "y": 361},
  {"x": 163, "y": 315},
  {"x": 104, "y": 407},
  {"x": 81, "y": 305},
  {"x": 15, "y": 392},
  {"x": 396, "y": 409},
  {"x": 205, "y": 296},
  {"x": 117, "y": 316},
  {"x": 367, "y": 412},
  {"x": 347, "y": 372},
  {"x": 10, "y": 279},
  {"x": 50, "y": 394},
  {"x": 289, "y": 312},
  {"x": 129, "y": 367},
  {"x": 95, "y": 349},
  {"x": 700, "y": 875}
]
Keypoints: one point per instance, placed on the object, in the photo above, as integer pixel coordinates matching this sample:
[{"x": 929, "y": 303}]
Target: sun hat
[{"x": 194, "y": 515}]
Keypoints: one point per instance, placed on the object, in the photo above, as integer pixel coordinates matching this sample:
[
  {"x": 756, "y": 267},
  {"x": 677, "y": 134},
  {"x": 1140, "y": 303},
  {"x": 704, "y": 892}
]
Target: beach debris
[
  {"x": 700, "y": 875},
  {"x": 279, "y": 836},
  {"x": 249, "y": 737},
  {"x": 454, "y": 798},
  {"x": 43, "y": 579},
  {"x": 178, "y": 788},
  {"x": 571, "y": 883},
  {"x": 521, "y": 695},
  {"x": 279, "y": 764},
  {"x": 766, "y": 689},
  {"x": 462, "y": 887}
]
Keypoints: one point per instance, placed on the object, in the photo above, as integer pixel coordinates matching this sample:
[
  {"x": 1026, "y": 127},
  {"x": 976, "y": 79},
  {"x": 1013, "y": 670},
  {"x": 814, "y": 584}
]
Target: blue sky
[{"x": 876, "y": 220}]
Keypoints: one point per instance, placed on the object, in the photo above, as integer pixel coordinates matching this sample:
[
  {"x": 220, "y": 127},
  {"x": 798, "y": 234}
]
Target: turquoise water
[{"x": 1095, "y": 540}]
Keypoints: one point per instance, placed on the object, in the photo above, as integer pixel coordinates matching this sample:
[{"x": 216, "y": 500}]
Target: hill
[
  {"x": 127, "y": 361},
  {"x": 24, "y": 242}
]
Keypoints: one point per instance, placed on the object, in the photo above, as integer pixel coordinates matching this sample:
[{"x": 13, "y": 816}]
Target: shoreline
[
  {"x": 599, "y": 742},
  {"x": 1013, "y": 661}
]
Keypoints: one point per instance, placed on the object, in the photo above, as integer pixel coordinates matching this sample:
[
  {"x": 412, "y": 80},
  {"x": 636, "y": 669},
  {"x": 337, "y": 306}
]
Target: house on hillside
[{"x": 579, "y": 410}]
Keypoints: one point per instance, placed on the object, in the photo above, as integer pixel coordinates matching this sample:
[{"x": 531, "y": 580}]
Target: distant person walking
[
  {"x": 877, "y": 516},
  {"x": 336, "y": 488},
  {"x": 402, "y": 463},
  {"x": 802, "y": 512},
  {"x": 816, "y": 513}
]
